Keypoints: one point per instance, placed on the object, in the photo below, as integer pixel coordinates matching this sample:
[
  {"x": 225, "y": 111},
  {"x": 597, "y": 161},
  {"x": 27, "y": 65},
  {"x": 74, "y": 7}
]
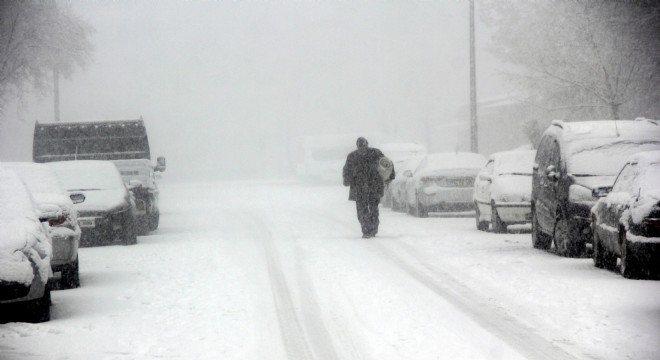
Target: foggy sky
[{"x": 223, "y": 85}]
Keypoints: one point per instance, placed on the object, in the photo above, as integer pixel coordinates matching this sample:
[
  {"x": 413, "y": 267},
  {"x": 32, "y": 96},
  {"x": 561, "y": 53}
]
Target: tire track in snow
[
  {"x": 305, "y": 338},
  {"x": 519, "y": 336}
]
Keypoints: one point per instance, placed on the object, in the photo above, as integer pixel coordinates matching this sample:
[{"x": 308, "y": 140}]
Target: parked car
[
  {"x": 25, "y": 254},
  {"x": 398, "y": 153},
  {"x": 45, "y": 188},
  {"x": 571, "y": 160},
  {"x": 626, "y": 219},
  {"x": 442, "y": 182},
  {"x": 397, "y": 187},
  {"x": 108, "y": 211},
  {"x": 503, "y": 190}
]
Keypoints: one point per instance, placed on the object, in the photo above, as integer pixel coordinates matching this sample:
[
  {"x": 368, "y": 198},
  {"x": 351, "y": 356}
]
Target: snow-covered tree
[
  {"x": 36, "y": 37},
  {"x": 580, "y": 59}
]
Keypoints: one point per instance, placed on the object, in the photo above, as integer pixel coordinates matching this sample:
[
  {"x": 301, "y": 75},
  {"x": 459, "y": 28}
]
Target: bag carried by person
[{"x": 385, "y": 167}]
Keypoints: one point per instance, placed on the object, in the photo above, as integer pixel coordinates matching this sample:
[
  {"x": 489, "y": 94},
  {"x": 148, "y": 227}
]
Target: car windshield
[
  {"x": 94, "y": 177},
  {"x": 604, "y": 157},
  {"x": 515, "y": 163},
  {"x": 649, "y": 180},
  {"x": 37, "y": 178}
]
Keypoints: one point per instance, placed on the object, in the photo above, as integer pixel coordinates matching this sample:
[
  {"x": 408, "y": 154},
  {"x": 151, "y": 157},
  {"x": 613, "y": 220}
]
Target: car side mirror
[
  {"x": 407, "y": 173},
  {"x": 485, "y": 177},
  {"x": 160, "y": 164},
  {"x": 600, "y": 192},
  {"x": 77, "y": 198}
]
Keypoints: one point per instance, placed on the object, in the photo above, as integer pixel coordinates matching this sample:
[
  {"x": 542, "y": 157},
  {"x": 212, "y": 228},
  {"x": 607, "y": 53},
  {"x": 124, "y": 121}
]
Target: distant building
[{"x": 500, "y": 127}]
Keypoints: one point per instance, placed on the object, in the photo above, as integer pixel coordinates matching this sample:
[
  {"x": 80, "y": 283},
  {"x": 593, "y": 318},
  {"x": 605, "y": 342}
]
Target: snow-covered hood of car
[
  {"x": 592, "y": 182},
  {"x": 101, "y": 200},
  {"x": 511, "y": 188},
  {"x": 61, "y": 200}
]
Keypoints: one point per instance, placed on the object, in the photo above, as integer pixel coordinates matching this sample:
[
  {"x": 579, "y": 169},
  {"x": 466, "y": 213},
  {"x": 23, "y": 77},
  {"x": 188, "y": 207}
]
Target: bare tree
[
  {"x": 580, "y": 59},
  {"x": 37, "y": 37}
]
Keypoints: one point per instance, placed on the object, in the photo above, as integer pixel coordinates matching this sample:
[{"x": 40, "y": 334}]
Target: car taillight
[{"x": 59, "y": 221}]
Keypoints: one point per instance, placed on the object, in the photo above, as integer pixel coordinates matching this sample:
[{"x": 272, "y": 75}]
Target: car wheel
[
  {"x": 481, "y": 225},
  {"x": 71, "y": 276},
  {"x": 567, "y": 241},
  {"x": 540, "y": 240},
  {"x": 154, "y": 220},
  {"x": 38, "y": 310},
  {"x": 498, "y": 225},
  {"x": 602, "y": 258},
  {"x": 420, "y": 210},
  {"x": 630, "y": 267},
  {"x": 129, "y": 233}
]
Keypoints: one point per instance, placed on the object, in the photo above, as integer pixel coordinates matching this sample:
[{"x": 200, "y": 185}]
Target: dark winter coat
[{"x": 361, "y": 174}]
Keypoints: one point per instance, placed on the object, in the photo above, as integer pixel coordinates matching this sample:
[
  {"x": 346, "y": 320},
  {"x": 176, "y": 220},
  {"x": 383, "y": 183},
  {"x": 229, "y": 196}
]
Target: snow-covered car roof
[
  {"x": 22, "y": 237},
  {"x": 42, "y": 183},
  {"x": 514, "y": 162},
  {"x": 599, "y": 129},
  {"x": 602, "y": 147},
  {"x": 87, "y": 175}
]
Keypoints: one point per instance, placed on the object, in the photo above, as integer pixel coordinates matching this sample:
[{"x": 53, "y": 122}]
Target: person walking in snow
[{"x": 366, "y": 185}]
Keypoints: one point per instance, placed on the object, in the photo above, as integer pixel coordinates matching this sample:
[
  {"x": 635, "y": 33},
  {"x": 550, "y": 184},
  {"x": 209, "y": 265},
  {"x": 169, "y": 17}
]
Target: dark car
[
  {"x": 626, "y": 220},
  {"x": 108, "y": 212},
  {"x": 572, "y": 159}
]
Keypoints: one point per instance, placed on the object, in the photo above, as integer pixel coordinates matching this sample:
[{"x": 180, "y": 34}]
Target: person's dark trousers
[{"x": 367, "y": 212}]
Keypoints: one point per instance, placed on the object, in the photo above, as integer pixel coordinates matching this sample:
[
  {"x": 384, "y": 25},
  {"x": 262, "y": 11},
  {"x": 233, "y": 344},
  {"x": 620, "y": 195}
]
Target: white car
[
  {"x": 25, "y": 254},
  {"x": 503, "y": 189},
  {"x": 399, "y": 153},
  {"x": 397, "y": 187},
  {"x": 108, "y": 211},
  {"x": 442, "y": 182},
  {"x": 45, "y": 188}
]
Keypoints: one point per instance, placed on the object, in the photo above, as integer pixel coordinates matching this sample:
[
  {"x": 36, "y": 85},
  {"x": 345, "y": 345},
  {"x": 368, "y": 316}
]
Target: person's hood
[{"x": 102, "y": 200}]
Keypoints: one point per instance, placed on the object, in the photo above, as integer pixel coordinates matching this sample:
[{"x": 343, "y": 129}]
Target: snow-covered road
[{"x": 278, "y": 270}]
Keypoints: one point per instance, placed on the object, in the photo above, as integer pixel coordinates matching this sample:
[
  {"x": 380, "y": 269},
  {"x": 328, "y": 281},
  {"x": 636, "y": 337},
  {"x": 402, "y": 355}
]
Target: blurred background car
[
  {"x": 108, "y": 212},
  {"x": 503, "y": 189},
  {"x": 626, "y": 221},
  {"x": 442, "y": 182},
  {"x": 397, "y": 187},
  {"x": 25, "y": 254},
  {"x": 45, "y": 188},
  {"x": 572, "y": 159},
  {"x": 398, "y": 153}
]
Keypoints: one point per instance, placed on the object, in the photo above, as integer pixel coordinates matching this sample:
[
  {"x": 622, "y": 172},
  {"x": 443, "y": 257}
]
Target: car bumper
[
  {"x": 65, "y": 246},
  {"x": 451, "y": 199},
  {"x": 514, "y": 212},
  {"x": 98, "y": 229}
]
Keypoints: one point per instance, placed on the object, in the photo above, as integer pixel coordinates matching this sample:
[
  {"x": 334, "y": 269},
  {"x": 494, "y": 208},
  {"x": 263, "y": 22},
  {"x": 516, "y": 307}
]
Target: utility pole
[
  {"x": 474, "y": 137},
  {"x": 56, "y": 92}
]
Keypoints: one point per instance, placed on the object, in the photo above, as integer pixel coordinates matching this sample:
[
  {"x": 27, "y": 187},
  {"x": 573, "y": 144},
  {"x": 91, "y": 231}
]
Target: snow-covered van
[
  {"x": 572, "y": 159},
  {"x": 125, "y": 142}
]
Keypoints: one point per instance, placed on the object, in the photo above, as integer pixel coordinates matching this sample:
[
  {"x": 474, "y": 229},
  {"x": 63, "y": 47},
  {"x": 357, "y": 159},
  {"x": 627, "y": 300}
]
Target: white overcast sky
[{"x": 222, "y": 85}]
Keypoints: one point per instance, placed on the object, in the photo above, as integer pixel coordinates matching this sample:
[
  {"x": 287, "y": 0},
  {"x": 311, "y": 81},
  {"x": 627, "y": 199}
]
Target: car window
[
  {"x": 624, "y": 182},
  {"x": 490, "y": 166}
]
